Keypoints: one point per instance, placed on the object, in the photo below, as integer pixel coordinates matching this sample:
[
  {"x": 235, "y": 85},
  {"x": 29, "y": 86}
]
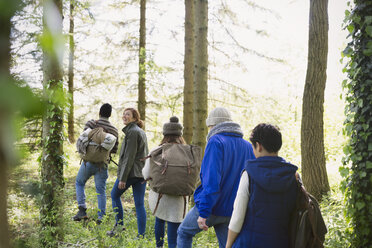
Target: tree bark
[
  {"x": 142, "y": 62},
  {"x": 313, "y": 164},
  {"x": 201, "y": 73},
  {"x": 5, "y": 120},
  {"x": 71, "y": 132},
  {"x": 188, "y": 73},
  {"x": 52, "y": 181},
  {"x": 4, "y": 228}
]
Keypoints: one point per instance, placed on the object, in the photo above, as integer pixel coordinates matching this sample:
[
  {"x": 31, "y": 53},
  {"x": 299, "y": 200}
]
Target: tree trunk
[
  {"x": 4, "y": 228},
  {"x": 5, "y": 121},
  {"x": 313, "y": 164},
  {"x": 71, "y": 132},
  {"x": 142, "y": 63},
  {"x": 52, "y": 181},
  {"x": 201, "y": 73},
  {"x": 188, "y": 74}
]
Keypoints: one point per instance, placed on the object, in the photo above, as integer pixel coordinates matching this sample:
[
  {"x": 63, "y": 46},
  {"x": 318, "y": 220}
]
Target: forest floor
[{"x": 23, "y": 211}]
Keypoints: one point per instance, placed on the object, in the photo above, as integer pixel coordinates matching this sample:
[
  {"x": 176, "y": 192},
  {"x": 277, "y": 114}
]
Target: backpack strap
[
  {"x": 157, "y": 203},
  {"x": 192, "y": 153},
  {"x": 165, "y": 167},
  {"x": 184, "y": 206},
  {"x": 143, "y": 159}
]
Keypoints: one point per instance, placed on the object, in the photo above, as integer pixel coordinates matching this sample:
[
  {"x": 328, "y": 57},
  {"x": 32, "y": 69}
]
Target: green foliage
[
  {"x": 357, "y": 169},
  {"x": 16, "y": 98},
  {"x": 339, "y": 231},
  {"x": 23, "y": 210}
]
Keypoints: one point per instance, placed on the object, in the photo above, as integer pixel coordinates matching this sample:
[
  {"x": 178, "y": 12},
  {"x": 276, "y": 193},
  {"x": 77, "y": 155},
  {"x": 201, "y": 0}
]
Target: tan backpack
[
  {"x": 174, "y": 170},
  {"x": 90, "y": 148}
]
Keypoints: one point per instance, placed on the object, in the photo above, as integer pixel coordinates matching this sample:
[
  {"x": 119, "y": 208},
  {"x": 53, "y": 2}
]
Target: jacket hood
[
  {"x": 225, "y": 127},
  {"x": 273, "y": 174}
]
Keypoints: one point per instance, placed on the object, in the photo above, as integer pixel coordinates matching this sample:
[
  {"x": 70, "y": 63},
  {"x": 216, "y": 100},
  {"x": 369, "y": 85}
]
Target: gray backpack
[{"x": 174, "y": 170}]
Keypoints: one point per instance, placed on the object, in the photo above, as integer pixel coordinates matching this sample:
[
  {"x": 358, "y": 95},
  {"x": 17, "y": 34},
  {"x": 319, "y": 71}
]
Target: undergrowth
[{"x": 23, "y": 213}]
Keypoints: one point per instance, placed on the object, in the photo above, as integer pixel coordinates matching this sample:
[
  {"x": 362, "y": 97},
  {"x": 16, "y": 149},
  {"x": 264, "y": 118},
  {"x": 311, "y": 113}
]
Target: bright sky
[
  {"x": 288, "y": 40},
  {"x": 287, "y": 28}
]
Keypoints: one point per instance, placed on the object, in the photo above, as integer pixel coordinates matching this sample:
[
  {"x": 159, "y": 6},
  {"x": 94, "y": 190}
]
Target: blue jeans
[
  {"x": 139, "y": 188},
  {"x": 189, "y": 228},
  {"x": 172, "y": 233},
  {"x": 86, "y": 171}
]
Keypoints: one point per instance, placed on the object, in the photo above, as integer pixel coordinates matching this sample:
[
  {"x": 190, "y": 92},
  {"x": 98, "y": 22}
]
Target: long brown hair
[
  {"x": 136, "y": 117},
  {"x": 172, "y": 139}
]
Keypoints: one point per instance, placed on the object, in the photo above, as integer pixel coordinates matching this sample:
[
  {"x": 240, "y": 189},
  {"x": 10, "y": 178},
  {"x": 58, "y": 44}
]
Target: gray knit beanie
[
  {"x": 217, "y": 116},
  {"x": 173, "y": 127}
]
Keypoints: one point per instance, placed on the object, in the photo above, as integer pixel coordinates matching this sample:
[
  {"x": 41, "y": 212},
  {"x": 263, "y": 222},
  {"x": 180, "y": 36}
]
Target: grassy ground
[{"x": 23, "y": 211}]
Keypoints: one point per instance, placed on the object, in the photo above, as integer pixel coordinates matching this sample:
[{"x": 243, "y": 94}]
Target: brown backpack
[
  {"x": 307, "y": 228},
  {"x": 90, "y": 149},
  {"x": 174, "y": 170}
]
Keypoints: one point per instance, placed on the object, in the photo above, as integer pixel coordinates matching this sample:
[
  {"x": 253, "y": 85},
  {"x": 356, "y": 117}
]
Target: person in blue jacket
[
  {"x": 266, "y": 196},
  {"x": 223, "y": 162}
]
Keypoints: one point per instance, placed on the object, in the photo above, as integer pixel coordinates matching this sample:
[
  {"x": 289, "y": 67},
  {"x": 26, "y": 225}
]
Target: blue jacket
[
  {"x": 222, "y": 164},
  {"x": 272, "y": 189}
]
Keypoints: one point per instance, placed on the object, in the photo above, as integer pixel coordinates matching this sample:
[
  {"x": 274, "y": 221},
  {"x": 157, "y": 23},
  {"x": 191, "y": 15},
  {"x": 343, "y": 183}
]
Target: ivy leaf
[
  {"x": 350, "y": 28},
  {"x": 369, "y": 30},
  {"x": 344, "y": 171},
  {"x": 360, "y": 205},
  {"x": 368, "y": 20},
  {"x": 347, "y": 52},
  {"x": 362, "y": 174},
  {"x": 369, "y": 165}
]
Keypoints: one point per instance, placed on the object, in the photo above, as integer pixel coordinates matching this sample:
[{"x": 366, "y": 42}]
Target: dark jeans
[
  {"x": 138, "y": 187},
  {"x": 172, "y": 233}
]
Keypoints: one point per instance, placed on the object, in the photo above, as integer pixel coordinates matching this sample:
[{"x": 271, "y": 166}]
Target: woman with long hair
[
  {"x": 129, "y": 173},
  {"x": 170, "y": 209}
]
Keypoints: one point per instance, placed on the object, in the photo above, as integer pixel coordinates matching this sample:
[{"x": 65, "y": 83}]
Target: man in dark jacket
[
  {"x": 99, "y": 171},
  {"x": 222, "y": 164}
]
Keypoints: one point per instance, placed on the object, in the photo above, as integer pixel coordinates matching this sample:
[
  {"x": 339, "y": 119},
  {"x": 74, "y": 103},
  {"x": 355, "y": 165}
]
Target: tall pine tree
[
  {"x": 52, "y": 181},
  {"x": 188, "y": 73},
  {"x": 201, "y": 73},
  {"x": 313, "y": 164},
  {"x": 142, "y": 62},
  {"x": 70, "y": 82}
]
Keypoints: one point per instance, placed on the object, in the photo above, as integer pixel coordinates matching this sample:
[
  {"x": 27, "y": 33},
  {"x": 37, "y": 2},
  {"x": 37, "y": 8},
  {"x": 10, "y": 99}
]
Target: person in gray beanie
[
  {"x": 223, "y": 162},
  {"x": 217, "y": 116},
  {"x": 173, "y": 127},
  {"x": 171, "y": 208}
]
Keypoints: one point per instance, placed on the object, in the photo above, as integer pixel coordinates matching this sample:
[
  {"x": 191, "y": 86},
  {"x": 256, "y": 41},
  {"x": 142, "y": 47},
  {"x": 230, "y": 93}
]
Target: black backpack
[{"x": 307, "y": 228}]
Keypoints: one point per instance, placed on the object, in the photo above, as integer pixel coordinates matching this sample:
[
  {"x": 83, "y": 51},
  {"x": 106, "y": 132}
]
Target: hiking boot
[
  {"x": 81, "y": 215},
  {"x": 114, "y": 232}
]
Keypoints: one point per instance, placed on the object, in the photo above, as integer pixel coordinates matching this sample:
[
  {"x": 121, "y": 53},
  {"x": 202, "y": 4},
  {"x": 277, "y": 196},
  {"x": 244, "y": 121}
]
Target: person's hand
[
  {"x": 202, "y": 223},
  {"x": 121, "y": 185}
]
